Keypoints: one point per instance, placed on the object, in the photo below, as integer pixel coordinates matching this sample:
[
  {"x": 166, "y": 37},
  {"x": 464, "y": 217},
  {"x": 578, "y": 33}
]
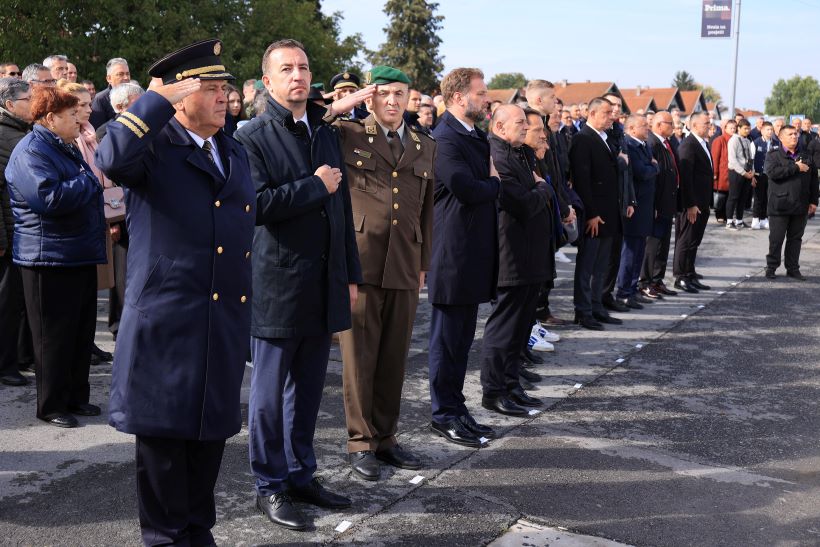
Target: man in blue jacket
[
  {"x": 306, "y": 273},
  {"x": 464, "y": 265},
  {"x": 186, "y": 321}
]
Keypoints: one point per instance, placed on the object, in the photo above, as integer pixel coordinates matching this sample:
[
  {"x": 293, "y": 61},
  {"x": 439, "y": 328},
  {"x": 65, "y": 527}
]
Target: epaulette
[{"x": 351, "y": 120}]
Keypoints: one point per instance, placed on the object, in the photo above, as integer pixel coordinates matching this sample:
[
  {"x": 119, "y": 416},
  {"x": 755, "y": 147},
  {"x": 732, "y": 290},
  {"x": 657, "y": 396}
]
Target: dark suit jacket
[
  {"x": 644, "y": 173},
  {"x": 524, "y": 219},
  {"x": 184, "y": 331},
  {"x": 790, "y": 190},
  {"x": 666, "y": 185},
  {"x": 304, "y": 247},
  {"x": 696, "y": 175},
  {"x": 101, "y": 109},
  {"x": 464, "y": 265},
  {"x": 594, "y": 171}
]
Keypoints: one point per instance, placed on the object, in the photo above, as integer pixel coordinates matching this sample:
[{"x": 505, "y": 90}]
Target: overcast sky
[{"x": 630, "y": 42}]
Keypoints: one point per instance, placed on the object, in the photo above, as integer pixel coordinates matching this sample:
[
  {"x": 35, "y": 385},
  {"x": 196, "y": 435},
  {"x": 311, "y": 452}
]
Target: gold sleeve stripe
[
  {"x": 137, "y": 131},
  {"x": 136, "y": 120}
]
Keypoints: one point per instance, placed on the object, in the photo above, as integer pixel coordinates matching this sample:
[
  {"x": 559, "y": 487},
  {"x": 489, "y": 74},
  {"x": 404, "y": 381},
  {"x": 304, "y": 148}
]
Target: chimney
[
  {"x": 563, "y": 83},
  {"x": 638, "y": 91}
]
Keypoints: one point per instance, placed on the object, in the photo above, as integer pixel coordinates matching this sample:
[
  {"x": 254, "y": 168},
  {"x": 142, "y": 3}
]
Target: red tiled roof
[
  {"x": 690, "y": 99},
  {"x": 642, "y": 102},
  {"x": 503, "y": 95},
  {"x": 665, "y": 97},
  {"x": 576, "y": 93}
]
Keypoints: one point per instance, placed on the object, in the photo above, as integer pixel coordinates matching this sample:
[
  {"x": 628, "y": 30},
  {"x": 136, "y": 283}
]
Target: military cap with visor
[
  {"x": 345, "y": 79},
  {"x": 198, "y": 60}
]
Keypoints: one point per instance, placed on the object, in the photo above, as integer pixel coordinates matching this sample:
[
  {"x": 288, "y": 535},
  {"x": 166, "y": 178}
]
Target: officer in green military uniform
[{"x": 390, "y": 174}]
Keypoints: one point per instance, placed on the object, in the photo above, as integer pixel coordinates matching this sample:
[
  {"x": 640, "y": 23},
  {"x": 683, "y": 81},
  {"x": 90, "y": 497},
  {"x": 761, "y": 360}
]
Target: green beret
[{"x": 385, "y": 75}]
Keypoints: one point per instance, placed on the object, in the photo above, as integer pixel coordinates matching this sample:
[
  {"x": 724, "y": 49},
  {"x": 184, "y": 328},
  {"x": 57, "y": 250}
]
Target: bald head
[
  {"x": 663, "y": 124},
  {"x": 509, "y": 123}
]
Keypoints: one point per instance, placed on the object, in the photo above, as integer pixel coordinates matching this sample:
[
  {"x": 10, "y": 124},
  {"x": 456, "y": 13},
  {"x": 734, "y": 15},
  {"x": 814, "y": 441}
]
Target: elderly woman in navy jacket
[{"x": 59, "y": 238}]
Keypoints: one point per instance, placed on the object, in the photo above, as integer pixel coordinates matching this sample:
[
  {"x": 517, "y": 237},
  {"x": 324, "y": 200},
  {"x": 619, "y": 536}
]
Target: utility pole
[{"x": 734, "y": 58}]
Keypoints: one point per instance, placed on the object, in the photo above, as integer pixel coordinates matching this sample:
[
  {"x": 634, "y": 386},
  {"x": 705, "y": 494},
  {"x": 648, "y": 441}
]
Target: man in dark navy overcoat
[
  {"x": 464, "y": 265},
  {"x": 305, "y": 275},
  {"x": 186, "y": 322}
]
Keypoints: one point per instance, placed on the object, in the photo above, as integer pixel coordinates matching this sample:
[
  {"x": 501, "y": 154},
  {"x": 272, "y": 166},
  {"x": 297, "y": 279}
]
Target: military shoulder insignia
[
  {"x": 414, "y": 136},
  {"x": 217, "y": 48},
  {"x": 362, "y": 153},
  {"x": 370, "y": 130}
]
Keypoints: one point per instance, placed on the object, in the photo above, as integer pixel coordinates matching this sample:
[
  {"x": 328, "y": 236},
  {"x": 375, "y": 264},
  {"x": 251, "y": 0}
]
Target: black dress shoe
[
  {"x": 520, "y": 397},
  {"x": 399, "y": 457},
  {"x": 698, "y": 285},
  {"x": 795, "y": 274},
  {"x": 696, "y": 275},
  {"x": 503, "y": 405},
  {"x": 101, "y": 353},
  {"x": 26, "y": 367},
  {"x": 685, "y": 285},
  {"x": 770, "y": 274},
  {"x": 532, "y": 357},
  {"x": 650, "y": 293},
  {"x": 588, "y": 322},
  {"x": 664, "y": 290},
  {"x": 365, "y": 465},
  {"x": 84, "y": 409},
  {"x": 606, "y": 318},
  {"x": 280, "y": 510},
  {"x": 630, "y": 303},
  {"x": 63, "y": 420},
  {"x": 641, "y": 299},
  {"x": 476, "y": 428},
  {"x": 529, "y": 375},
  {"x": 13, "y": 378},
  {"x": 613, "y": 304},
  {"x": 455, "y": 432},
  {"x": 316, "y": 494},
  {"x": 524, "y": 383}
]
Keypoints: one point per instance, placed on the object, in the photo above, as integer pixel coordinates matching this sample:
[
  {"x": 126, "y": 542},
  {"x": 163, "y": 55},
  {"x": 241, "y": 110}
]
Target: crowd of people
[{"x": 282, "y": 214}]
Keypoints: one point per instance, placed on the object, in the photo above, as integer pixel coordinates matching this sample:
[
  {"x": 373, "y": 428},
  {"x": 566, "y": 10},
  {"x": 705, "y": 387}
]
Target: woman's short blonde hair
[{"x": 70, "y": 87}]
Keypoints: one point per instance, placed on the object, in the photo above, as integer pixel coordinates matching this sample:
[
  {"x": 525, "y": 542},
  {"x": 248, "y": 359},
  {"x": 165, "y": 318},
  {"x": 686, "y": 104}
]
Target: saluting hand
[
  {"x": 176, "y": 91},
  {"x": 346, "y": 104}
]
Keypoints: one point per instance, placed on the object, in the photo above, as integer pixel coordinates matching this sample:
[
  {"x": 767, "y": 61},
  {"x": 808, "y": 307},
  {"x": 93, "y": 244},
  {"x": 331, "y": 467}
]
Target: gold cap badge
[{"x": 217, "y": 48}]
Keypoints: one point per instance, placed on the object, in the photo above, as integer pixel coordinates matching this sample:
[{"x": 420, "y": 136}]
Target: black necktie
[
  {"x": 395, "y": 145},
  {"x": 208, "y": 148},
  {"x": 302, "y": 131}
]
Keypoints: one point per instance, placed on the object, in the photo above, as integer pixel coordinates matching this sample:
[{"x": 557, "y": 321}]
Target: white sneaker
[
  {"x": 561, "y": 257},
  {"x": 730, "y": 225},
  {"x": 756, "y": 224},
  {"x": 544, "y": 334},
  {"x": 537, "y": 344},
  {"x": 764, "y": 223}
]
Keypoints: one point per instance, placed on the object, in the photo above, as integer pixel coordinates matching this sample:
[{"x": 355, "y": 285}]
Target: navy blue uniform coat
[
  {"x": 644, "y": 175},
  {"x": 464, "y": 265},
  {"x": 304, "y": 247},
  {"x": 185, "y": 326}
]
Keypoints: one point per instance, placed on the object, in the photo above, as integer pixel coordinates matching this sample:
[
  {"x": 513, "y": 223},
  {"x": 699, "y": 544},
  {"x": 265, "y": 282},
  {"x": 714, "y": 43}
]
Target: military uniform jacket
[
  {"x": 392, "y": 203},
  {"x": 185, "y": 327}
]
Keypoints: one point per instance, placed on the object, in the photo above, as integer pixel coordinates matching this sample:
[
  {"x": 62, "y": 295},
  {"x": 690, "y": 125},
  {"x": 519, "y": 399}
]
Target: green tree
[
  {"x": 710, "y": 94},
  {"x": 795, "y": 96},
  {"x": 507, "y": 80},
  {"x": 684, "y": 81},
  {"x": 412, "y": 42},
  {"x": 92, "y": 31}
]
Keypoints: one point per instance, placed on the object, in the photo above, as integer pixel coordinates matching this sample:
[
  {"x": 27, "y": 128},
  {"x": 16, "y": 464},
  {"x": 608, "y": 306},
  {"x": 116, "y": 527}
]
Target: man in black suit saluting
[
  {"x": 696, "y": 177},
  {"x": 594, "y": 170}
]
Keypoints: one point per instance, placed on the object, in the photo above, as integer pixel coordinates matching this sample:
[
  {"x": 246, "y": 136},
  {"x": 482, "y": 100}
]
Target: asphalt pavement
[{"x": 694, "y": 423}]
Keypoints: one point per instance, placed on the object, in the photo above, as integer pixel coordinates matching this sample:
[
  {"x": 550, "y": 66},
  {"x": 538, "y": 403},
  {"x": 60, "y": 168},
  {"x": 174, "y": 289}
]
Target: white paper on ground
[
  {"x": 733, "y": 283},
  {"x": 344, "y": 525},
  {"x": 533, "y": 412},
  {"x": 620, "y": 360},
  {"x": 748, "y": 275},
  {"x": 417, "y": 479},
  {"x": 701, "y": 306},
  {"x": 483, "y": 440},
  {"x": 721, "y": 292},
  {"x": 684, "y": 315},
  {"x": 639, "y": 346},
  {"x": 579, "y": 386}
]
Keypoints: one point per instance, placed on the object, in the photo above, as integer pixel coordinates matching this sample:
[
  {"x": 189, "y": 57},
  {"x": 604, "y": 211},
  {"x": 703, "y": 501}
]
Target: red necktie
[{"x": 674, "y": 161}]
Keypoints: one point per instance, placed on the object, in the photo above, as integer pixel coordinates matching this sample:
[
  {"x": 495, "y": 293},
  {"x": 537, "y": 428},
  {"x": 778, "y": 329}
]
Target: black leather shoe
[
  {"x": 664, "y": 290},
  {"x": 365, "y": 465},
  {"x": 650, "y": 293},
  {"x": 520, "y": 397},
  {"x": 770, "y": 274},
  {"x": 630, "y": 303},
  {"x": 696, "y": 275},
  {"x": 13, "y": 378},
  {"x": 606, "y": 318},
  {"x": 503, "y": 405},
  {"x": 685, "y": 285},
  {"x": 641, "y": 299},
  {"x": 588, "y": 322},
  {"x": 532, "y": 357},
  {"x": 26, "y": 367},
  {"x": 455, "y": 432},
  {"x": 529, "y": 375},
  {"x": 524, "y": 383},
  {"x": 613, "y": 304},
  {"x": 796, "y": 275},
  {"x": 102, "y": 354},
  {"x": 84, "y": 409},
  {"x": 280, "y": 510},
  {"x": 476, "y": 428},
  {"x": 63, "y": 420},
  {"x": 698, "y": 285},
  {"x": 399, "y": 457},
  {"x": 316, "y": 494}
]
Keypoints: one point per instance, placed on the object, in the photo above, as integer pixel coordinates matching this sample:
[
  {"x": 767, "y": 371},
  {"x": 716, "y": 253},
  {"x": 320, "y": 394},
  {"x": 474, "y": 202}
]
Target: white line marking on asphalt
[
  {"x": 701, "y": 306},
  {"x": 721, "y": 292},
  {"x": 344, "y": 525}
]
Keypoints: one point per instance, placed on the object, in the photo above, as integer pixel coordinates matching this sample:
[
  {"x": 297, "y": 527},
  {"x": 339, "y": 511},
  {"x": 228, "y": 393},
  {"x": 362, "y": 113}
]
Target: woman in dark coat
[{"x": 59, "y": 239}]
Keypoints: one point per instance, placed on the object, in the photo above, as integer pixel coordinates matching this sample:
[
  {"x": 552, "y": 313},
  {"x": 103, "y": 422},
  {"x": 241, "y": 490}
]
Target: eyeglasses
[{"x": 14, "y": 73}]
